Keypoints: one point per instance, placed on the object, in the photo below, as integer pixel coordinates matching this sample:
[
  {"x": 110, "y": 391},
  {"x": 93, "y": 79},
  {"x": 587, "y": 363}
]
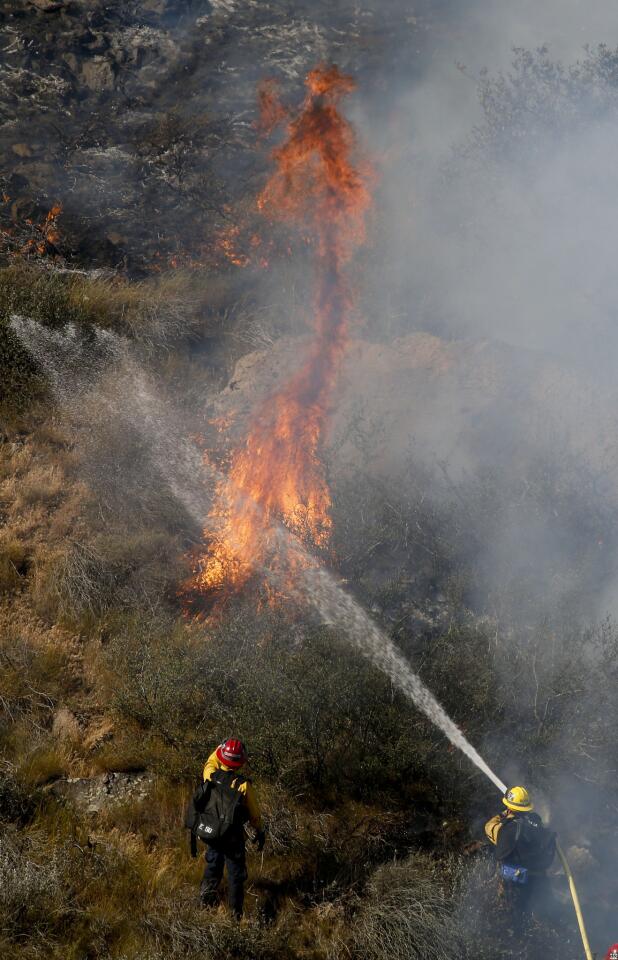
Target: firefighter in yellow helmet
[{"x": 524, "y": 850}]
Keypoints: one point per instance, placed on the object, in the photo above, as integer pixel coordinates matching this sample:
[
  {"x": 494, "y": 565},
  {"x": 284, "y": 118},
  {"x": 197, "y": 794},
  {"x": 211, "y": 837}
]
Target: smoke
[
  {"x": 495, "y": 234},
  {"x": 513, "y": 240},
  {"x": 500, "y": 194},
  {"x": 497, "y": 201}
]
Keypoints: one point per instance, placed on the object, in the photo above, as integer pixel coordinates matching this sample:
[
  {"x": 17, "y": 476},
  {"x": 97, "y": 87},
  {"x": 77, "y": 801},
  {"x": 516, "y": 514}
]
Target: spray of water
[
  {"x": 339, "y": 609},
  {"x": 68, "y": 362},
  {"x": 74, "y": 366}
]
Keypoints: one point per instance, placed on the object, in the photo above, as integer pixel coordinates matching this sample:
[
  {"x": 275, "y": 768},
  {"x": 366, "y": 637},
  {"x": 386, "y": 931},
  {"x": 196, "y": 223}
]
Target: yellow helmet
[{"x": 518, "y": 799}]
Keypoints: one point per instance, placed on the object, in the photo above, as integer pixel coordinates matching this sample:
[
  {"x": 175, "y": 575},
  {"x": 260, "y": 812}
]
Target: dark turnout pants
[
  {"x": 228, "y": 853},
  {"x": 534, "y": 898}
]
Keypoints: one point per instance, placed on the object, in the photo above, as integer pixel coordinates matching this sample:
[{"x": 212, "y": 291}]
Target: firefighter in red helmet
[
  {"x": 223, "y": 770},
  {"x": 612, "y": 953}
]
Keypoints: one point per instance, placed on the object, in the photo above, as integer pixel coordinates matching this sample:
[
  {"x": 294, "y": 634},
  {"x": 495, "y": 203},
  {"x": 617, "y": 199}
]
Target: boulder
[
  {"x": 65, "y": 725},
  {"x": 22, "y": 150},
  {"x": 98, "y": 74},
  {"x": 448, "y": 401}
]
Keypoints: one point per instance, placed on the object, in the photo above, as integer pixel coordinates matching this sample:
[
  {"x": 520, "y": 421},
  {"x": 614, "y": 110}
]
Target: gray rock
[
  {"x": 98, "y": 74},
  {"x": 71, "y": 61},
  {"x": 93, "y": 794}
]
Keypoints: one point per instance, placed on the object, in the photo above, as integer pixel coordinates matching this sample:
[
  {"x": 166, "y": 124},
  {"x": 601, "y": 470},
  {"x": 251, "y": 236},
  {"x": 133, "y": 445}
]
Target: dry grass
[
  {"x": 43, "y": 483},
  {"x": 39, "y": 491},
  {"x": 121, "y": 884},
  {"x": 153, "y": 311},
  {"x": 44, "y": 764},
  {"x": 65, "y": 891},
  {"x": 109, "y": 572},
  {"x": 13, "y": 564},
  {"x": 406, "y": 914}
]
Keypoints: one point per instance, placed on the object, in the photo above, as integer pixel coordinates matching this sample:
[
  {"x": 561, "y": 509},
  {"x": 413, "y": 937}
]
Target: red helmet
[
  {"x": 232, "y": 753},
  {"x": 612, "y": 953}
]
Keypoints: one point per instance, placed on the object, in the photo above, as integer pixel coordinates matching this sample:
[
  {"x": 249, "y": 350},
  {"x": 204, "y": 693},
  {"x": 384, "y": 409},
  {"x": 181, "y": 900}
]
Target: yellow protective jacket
[
  {"x": 493, "y": 826},
  {"x": 246, "y": 789}
]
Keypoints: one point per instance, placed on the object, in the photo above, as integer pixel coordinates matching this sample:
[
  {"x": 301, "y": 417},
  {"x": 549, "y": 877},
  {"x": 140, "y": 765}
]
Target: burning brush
[
  {"x": 30, "y": 240},
  {"x": 276, "y": 474}
]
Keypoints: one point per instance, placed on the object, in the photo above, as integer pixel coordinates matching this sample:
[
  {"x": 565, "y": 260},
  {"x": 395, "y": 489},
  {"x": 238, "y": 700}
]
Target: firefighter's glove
[{"x": 260, "y": 840}]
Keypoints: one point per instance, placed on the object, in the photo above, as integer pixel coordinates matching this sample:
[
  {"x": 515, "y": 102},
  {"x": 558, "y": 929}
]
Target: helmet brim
[
  {"x": 233, "y": 764},
  {"x": 518, "y": 807}
]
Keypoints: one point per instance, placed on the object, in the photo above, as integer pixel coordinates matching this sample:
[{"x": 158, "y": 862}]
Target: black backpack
[
  {"x": 535, "y": 845},
  {"x": 216, "y": 809}
]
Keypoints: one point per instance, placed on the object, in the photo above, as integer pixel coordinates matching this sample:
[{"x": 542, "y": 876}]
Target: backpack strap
[{"x": 228, "y": 778}]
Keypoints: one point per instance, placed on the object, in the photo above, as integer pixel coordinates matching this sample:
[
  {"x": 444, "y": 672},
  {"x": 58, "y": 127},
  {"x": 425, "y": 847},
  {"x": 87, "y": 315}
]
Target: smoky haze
[
  {"x": 495, "y": 223},
  {"x": 498, "y": 202},
  {"x": 512, "y": 236}
]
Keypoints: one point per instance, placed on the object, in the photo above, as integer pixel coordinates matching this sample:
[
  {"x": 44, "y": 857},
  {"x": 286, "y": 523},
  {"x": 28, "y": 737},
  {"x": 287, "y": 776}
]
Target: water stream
[{"x": 73, "y": 367}]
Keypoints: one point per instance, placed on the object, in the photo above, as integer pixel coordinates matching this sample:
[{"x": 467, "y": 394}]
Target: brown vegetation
[
  {"x": 99, "y": 674},
  {"x": 370, "y": 813}
]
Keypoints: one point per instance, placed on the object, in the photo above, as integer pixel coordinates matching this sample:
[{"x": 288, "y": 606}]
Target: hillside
[{"x": 226, "y": 385}]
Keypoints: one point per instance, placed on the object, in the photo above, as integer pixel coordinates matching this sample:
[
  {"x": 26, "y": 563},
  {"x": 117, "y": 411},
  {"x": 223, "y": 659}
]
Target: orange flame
[
  {"x": 228, "y": 245},
  {"x": 277, "y": 474},
  {"x": 29, "y": 239}
]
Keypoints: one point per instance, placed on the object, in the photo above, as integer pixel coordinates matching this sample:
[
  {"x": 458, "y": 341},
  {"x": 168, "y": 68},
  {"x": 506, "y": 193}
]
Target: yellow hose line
[{"x": 576, "y": 904}]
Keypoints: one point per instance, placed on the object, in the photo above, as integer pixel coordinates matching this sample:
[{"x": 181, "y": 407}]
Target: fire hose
[{"x": 576, "y": 903}]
